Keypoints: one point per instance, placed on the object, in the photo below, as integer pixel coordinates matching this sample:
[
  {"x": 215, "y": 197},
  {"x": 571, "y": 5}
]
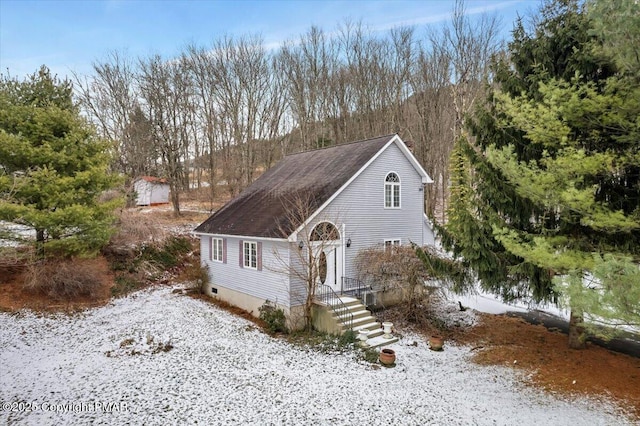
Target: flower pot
[
  {"x": 436, "y": 342},
  {"x": 387, "y": 357}
]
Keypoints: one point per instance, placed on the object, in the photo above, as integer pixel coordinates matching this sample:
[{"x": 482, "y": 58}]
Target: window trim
[
  {"x": 392, "y": 194},
  {"x": 217, "y": 247},
  {"x": 392, "y": 243},
  {"x": 245, "y": 262}
]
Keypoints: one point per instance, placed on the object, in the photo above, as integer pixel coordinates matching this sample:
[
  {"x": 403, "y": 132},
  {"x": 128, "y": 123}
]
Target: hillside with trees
[{"x": 220, "y": 113}]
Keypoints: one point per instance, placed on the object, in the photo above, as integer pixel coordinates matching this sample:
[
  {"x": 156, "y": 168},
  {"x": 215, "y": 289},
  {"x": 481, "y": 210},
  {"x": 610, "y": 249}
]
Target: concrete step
[
  {"x": 352, "y": 306},
  {"x": 380, "y": 340},
  {"x": 375, "y": 333},
  {"x": 345, "y": 301},
  {"x": 352, "y": 314},
  {"x": 368, "y": 326},
  {"x": 362, "y": 321}
]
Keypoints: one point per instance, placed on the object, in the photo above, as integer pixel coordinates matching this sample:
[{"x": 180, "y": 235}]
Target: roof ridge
[{"x": 342, "y": 144}]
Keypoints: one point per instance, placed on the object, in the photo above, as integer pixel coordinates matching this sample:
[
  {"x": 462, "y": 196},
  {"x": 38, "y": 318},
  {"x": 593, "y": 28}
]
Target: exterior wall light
[{"x": 348, "y": 242}]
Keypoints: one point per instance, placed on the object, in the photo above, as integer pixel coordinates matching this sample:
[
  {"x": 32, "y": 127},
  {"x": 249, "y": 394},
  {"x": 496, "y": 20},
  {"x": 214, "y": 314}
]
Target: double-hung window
[
  {"x": 392, "y": 191},
  {"x": 217, "y": 249},
  {"x": 250, "y": 251}
]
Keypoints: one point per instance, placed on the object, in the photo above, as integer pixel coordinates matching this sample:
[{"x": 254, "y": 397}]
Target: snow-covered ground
[
  {"x": 20, "y": 232},
  {"x": 222, "y": 370}
]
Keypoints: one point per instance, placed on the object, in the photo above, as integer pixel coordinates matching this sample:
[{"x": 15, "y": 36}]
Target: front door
[{"x": 329, "y": 263}]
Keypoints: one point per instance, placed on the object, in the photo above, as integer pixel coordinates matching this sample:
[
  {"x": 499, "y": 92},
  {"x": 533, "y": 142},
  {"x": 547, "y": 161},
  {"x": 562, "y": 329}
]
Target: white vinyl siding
[
  {"x": 366, "y": 220},
  {"x": 272, "y": 282}
]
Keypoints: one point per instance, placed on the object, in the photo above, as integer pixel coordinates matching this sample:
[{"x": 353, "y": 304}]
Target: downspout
[{"x": 344, "y": 256}]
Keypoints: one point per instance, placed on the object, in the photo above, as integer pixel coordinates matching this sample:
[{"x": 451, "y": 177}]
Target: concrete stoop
[{"x": 362, "y": 320}]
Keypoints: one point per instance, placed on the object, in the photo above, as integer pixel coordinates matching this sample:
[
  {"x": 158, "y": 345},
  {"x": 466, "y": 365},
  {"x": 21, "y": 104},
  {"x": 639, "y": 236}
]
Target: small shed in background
[{"x": 151, "y": 191}]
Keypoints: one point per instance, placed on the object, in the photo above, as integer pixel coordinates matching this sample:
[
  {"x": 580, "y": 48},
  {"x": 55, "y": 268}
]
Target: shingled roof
[{"x": 261, "y": 209}]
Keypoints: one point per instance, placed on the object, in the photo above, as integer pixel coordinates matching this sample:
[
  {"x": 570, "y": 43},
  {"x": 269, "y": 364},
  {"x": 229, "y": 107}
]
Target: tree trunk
[
  {"x": 577, "y": 335},
  {"x": 40, "y": 244},
  {"x": 175, "y": 200}
]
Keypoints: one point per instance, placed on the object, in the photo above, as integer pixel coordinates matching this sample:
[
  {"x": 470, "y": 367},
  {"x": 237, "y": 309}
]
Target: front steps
[{"x": 362, "y": 320}]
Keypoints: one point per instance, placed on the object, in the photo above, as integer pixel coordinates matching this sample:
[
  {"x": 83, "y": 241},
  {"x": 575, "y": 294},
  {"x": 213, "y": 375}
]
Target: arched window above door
[{"x": 325, "y": 231}]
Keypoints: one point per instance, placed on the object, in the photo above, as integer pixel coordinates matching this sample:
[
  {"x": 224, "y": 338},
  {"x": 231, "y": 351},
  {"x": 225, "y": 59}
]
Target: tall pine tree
[
  {"x": 53, "y": 168},
  {"x": 547, "y": 184}
]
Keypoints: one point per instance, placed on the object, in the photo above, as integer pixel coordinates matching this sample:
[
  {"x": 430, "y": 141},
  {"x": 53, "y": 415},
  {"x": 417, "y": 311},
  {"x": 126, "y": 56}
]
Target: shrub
[
  {"x": 134, "y": 228},
  {"x": 64, "y": 279},
  {"x": 125, "y": 284},
  {"x": 169, "y": 254},
  {"x": 197, "y": 275},
  {"x": 347, "y": 338},
  {"x": 370, "y": 355},
  {"x": 273, "y": 316}
]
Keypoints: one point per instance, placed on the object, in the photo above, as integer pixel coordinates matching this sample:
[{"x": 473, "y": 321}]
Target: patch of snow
[
  {"x": 491, "y": 304},
  {"x": 222, "y": 370},
  {"x": 17, "y": 232}
]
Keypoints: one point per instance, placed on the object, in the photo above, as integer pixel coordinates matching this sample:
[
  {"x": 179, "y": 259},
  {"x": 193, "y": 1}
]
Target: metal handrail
[
  {"x": 326, "y": 295},
  {"x": 354, "y": 285}
]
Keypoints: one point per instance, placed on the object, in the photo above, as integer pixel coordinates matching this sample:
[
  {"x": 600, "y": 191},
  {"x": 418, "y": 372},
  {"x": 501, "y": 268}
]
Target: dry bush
[
  {"x": 13, "y": 261},
  {"x": 396, "y": 267},
  {"x": 65, "y": 279},
  {"x": 134, "y": 228}
]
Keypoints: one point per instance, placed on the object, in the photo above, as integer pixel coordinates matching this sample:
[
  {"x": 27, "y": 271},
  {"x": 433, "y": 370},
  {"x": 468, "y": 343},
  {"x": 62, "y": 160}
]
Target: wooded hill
[{"x": 241, "y": 107}]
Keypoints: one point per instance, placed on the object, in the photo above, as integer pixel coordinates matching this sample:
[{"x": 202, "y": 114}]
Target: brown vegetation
[
  {"x": 145, "y": 250},
  {"x": 550, "y": 363},
  {"x": 64, "y": 279},
  {"x": 542, "y": 355},
  {"x": 15, "y": 295}
]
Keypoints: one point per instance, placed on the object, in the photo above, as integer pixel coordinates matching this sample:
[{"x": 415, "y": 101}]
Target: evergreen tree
[
  {"x": 53, "y": 168},
  {"x": 548, "y": 184}
]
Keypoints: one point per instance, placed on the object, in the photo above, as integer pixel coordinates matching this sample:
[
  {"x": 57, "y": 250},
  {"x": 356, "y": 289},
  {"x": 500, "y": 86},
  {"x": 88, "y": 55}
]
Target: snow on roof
[{"x": 222, "y": 370}]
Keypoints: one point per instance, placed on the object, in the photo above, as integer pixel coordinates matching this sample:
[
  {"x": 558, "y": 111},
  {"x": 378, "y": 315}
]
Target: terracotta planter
[
  {"x": 387, "y": 357},
  {"x": 436, "y": 342}
]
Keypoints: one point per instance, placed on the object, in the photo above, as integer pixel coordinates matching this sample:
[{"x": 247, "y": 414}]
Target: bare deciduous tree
[
  {"x": 225, "y": 112},
  {"x": 166, "y": 92},
  {"x": 304, "y": 261}
]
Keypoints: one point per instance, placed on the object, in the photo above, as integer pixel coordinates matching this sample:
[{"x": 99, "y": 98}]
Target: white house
[
  {"x": 151, "y": 191},
  {"x": 362, "y": 194}
]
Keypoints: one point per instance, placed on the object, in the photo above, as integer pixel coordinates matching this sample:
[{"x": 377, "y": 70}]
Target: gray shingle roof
[{"x": 261, "y": 209}]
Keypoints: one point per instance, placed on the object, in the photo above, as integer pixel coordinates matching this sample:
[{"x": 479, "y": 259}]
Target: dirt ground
[{"x": 549, "y": 363}]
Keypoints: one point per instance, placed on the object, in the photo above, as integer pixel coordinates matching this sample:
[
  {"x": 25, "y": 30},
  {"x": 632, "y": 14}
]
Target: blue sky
[{"x": 69, "y": 35}]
